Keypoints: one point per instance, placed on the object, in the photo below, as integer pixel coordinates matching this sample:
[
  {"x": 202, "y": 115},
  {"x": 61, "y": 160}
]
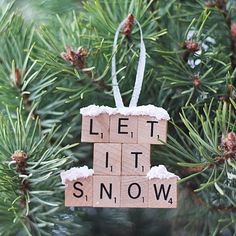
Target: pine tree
[{"x": 55, "y": 58}]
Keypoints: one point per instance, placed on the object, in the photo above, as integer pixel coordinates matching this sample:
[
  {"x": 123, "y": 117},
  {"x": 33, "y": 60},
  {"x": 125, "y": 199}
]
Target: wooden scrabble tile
[
  {"x": 79, "y": 192},
  {"x": 107, "y": 159},
  {"x": 151, "y": 130},
  {"x": 123, "y": 129},
  {"x": 106, "y": 191},
  {"x": 95, "y": 129},
  {"x": 163, "y": 193},
  {"x": 135, "y": 159},
  {"x": 134, "y": 191}
]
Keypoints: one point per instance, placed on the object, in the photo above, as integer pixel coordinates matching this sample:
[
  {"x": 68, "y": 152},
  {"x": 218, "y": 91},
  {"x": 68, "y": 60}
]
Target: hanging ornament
[{"x": 122, "y": 175}]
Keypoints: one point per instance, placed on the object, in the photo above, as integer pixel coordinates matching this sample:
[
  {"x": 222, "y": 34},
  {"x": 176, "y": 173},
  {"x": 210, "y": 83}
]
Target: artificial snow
[
  {"x": 149, "y": 110},
  {"x": 76, "y": 173},
  {"x": 160, "y": 172},
  {"x": 94, "y": 110}
]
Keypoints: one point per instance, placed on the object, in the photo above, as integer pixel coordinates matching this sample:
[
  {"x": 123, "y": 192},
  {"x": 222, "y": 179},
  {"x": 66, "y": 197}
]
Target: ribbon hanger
[{"x": 140, "y": 69}]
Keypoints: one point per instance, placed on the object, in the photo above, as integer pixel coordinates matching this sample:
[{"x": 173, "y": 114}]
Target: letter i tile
[{"x": 107, "y": 158}]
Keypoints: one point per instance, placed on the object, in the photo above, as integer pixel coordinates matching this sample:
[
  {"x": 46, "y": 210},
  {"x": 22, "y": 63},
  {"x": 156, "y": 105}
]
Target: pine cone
[
  {"x": 196, "y": 80},
  {"x": 233, "y": 30},
  {"x": 228, "y": 142},
  {"x": 20, "y": 157},
  {"x": 17, "y": 78},
  {"x": 191, "y": 45},
  {"x": 75, "y": 58},
  {"x": 128, "y": 26}
]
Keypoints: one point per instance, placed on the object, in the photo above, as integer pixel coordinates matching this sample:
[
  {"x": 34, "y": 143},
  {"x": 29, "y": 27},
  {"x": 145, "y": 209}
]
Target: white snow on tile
[
  {"x": 94, "y": 110},
  {"x": 76, "y": 173},
  {"x": 148, "y": 110},
  {"x": 160, "y": 172}
]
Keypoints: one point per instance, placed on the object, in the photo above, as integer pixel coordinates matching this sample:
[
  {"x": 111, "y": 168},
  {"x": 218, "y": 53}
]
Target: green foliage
[
  {"x": 47, "y": 89},
  {"x": 204, "y": 161},
  {"x": 210, "y": 63},
  {"x": 35, "y": 187}
]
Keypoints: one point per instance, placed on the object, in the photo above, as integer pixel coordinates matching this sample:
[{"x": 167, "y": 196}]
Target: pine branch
[
  {"x": 208, "y": 151},
  {"x": 54, "y": 87},
  {"x": 30, "y": 166},
  {"x": 222, "y": 6}
]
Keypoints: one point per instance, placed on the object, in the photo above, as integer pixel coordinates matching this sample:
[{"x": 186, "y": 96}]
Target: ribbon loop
[{"x": 140, "y": 69}]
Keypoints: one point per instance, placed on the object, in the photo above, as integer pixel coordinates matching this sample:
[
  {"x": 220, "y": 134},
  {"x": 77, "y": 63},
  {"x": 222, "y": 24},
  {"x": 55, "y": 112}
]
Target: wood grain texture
[
  {"x": 95, "y": 129},
  {"x": 123, "y": 129},
  {"x": 135, "y": 159},
  {"x": 151, "y": 131},
  {"x": 163, "y": 193},
  {"x": 79, "y": 192},
  {"x": 107, "y": 159},
  {"x": 134, "y": 191},
  {"x": 106, "y": 191}
]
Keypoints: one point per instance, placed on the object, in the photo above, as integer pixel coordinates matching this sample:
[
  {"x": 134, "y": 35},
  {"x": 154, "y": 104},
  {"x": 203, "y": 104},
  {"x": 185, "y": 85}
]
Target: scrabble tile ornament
[{"x": 122, "y": 175}]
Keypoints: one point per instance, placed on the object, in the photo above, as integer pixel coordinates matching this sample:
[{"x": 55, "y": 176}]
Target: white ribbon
[{"x": 140, "y": 70}]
